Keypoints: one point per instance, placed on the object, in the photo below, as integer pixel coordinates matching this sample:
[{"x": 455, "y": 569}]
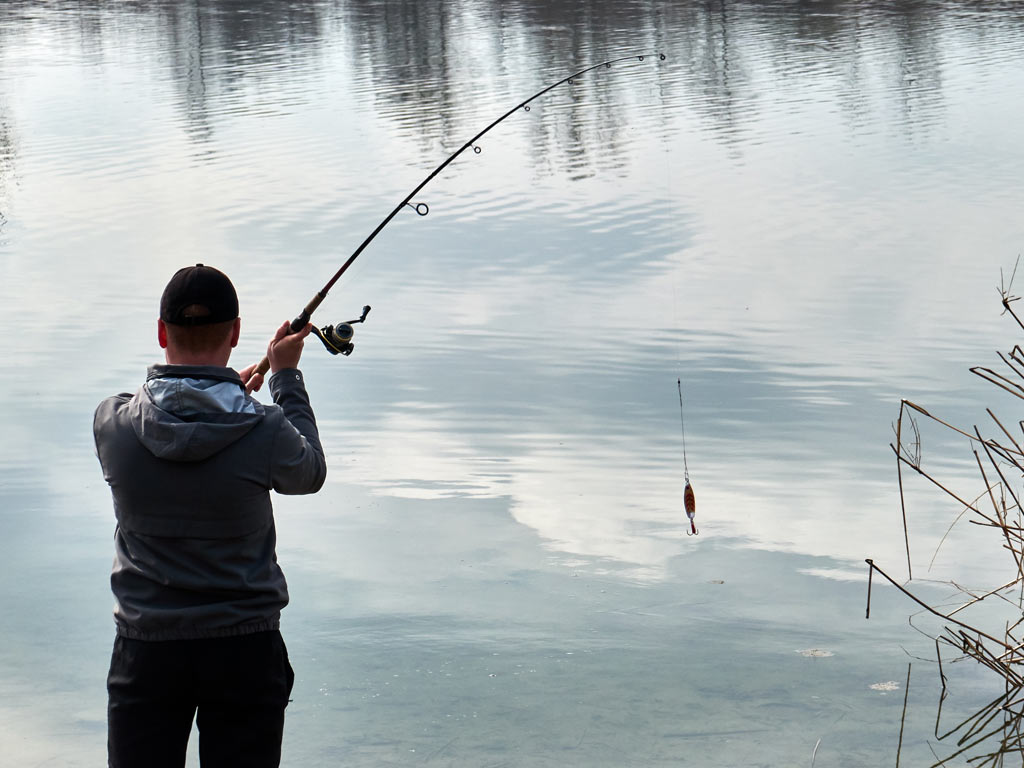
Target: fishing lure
[
  {"x": 690, "y": 504},
  {"x": 689, "y": 501}
]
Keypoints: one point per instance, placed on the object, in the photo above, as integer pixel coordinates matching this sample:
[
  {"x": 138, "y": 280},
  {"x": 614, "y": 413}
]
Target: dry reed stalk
[
  {"x": 994, "y": 378},
  {"x": 999, "y": 515},
  {"x": 899, "y": 476},
  {"x": 928, "y": 608},
  {"x": 1009, "y": 360},
  {"x": 903, "y": 717},
  {"x": 1019, "y": 451},
  {"x": 977, "y": 599}
]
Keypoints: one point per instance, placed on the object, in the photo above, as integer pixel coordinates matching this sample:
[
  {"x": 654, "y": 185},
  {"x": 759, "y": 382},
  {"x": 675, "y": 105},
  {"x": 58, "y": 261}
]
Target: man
[{"x": 190, "y": 459}]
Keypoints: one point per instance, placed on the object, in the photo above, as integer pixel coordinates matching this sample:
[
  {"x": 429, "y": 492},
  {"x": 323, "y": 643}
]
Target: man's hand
[
  {"x": 285, "y": 348},
  {"x": 252, "y": 381},
  {"x": 284, "y": 351}
]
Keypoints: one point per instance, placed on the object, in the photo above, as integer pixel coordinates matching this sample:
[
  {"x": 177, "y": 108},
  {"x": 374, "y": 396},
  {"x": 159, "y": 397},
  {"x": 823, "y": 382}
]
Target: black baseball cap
[{"x": 198, "y": 295}]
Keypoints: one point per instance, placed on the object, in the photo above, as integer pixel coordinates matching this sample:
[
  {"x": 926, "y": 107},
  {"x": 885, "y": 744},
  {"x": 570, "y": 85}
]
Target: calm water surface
[{"x": 802, "y": 213}]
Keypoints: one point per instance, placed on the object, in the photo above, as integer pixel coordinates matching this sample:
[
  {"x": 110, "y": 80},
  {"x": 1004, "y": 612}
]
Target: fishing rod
[{"x": 338, "y": 338}]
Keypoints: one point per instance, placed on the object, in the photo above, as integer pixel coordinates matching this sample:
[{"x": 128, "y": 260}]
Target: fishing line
[
  {"x": 682, "y": 424},
  {"x": 689, "y": 499},
  {"x": 342, "y": 343}
]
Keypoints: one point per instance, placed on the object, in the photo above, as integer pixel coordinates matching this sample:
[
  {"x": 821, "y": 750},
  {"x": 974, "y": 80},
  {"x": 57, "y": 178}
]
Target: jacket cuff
[{"x": 286, "y": 380}]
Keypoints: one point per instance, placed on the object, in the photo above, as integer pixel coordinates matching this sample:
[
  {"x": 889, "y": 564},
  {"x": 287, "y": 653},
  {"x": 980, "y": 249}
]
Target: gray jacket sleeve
[{"x": 298, "y": 464}]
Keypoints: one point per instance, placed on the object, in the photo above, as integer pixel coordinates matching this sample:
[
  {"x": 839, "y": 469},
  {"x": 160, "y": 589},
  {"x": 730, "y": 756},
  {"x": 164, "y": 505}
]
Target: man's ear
[
  {"x": 161, "y": 333},
  {"x": 236, "y": 329}
]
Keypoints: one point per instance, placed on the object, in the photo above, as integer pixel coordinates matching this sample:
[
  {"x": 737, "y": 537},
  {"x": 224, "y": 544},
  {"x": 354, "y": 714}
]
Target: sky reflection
[{"x": 802, "y": 213}]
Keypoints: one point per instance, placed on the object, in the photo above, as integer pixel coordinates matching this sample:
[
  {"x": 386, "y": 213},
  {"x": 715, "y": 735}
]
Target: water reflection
[
  {"x": 755, "y": 75},
  {"x": 432, "y": 70},
  {"x": 987, "y": 737},
  {"x": 781, "y": 213},
  {"x": 7, "y": 169},
  {"x": 977, "y": 721},
  {"x": 187, "y": 48}
]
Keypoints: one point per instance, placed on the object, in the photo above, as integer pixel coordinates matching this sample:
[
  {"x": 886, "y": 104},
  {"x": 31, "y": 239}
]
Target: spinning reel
[{"x": 338, "y": 338}]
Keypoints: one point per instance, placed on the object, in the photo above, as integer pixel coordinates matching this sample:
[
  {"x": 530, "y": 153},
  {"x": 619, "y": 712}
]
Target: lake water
[{"x": 801, "y": 212}]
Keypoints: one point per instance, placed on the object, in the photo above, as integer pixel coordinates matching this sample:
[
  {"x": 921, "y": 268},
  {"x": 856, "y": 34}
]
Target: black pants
[{"x": 236, "y": 687}]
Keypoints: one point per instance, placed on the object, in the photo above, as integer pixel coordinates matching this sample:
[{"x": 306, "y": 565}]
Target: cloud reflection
[{"x": 780, "y": 188}]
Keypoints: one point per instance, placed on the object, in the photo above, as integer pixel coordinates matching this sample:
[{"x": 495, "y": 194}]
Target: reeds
[{"x": 996, "y": 732}]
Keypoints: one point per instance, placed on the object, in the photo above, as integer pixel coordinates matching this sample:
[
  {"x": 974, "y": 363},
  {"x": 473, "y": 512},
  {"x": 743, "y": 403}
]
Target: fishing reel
[{"x": 338, "y": 338}]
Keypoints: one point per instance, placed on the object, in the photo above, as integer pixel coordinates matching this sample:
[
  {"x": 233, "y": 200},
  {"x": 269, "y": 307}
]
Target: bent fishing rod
[{"x": 338, "y": 338}]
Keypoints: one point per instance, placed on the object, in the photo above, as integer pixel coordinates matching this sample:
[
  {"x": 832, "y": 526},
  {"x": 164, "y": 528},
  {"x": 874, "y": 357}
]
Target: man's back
[{"x": 190, "y": 460}]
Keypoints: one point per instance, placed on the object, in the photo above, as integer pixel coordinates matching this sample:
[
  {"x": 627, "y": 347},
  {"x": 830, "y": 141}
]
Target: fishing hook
[{"x": 421, "y": 208}]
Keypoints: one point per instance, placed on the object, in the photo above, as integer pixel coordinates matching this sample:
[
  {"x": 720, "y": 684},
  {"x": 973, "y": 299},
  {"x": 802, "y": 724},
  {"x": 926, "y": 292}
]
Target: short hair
[{"x": 199, "y": 339}]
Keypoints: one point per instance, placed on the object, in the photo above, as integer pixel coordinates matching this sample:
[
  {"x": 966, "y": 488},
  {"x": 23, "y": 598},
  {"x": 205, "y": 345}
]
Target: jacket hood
[{"x": 189, "y": 413}]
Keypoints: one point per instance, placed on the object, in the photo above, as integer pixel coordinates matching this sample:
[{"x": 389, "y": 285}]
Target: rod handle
[
  {"x": 295, "y": 326},
  {"x": 262, "y": 367}
]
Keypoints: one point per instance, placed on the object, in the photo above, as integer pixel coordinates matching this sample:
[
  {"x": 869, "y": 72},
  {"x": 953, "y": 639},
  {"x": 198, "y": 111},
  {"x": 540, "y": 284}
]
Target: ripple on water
[{"x": 799, "y": 214}]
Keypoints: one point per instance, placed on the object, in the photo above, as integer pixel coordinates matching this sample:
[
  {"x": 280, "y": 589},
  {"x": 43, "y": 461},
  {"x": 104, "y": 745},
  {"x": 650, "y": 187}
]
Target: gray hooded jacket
[{"x": 190, "y": 459}]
